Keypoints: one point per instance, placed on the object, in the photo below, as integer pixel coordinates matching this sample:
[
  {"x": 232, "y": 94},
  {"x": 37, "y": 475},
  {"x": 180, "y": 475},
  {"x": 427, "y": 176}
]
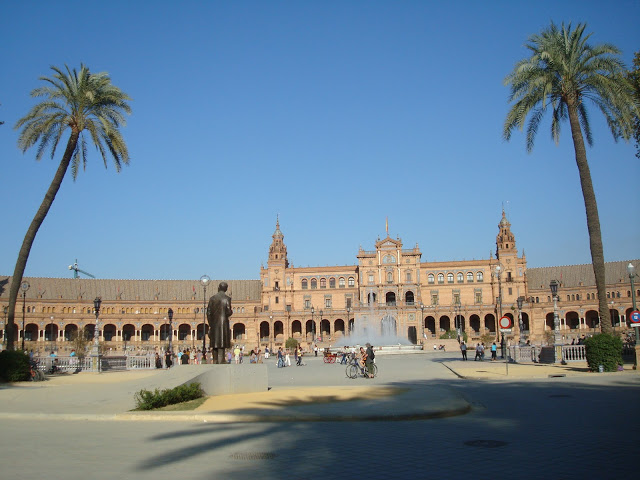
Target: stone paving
[{"x": 519, "y": 427}]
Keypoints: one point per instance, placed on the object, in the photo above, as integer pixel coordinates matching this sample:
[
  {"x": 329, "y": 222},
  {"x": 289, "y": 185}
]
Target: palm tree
[
  {"x": 87, "y": 104},
  {"x": 563, "y": 72}
]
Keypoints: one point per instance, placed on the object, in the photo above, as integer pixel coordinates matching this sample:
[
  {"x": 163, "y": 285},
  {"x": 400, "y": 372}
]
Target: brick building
[{"x": 414, "y": 299}]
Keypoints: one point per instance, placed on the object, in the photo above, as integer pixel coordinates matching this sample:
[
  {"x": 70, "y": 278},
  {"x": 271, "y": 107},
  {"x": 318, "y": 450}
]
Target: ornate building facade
[{"x": 415, "y": 300}]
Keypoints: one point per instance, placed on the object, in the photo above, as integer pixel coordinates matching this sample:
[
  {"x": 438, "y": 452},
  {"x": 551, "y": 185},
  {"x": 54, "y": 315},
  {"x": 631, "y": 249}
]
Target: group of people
[
  {"x": 183, "y": 357},
  {"x": 479, "y": 351}
]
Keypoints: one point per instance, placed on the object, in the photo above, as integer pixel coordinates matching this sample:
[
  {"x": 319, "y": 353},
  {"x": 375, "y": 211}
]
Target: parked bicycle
[
  {"x": 355, "y": 370},
  {"x": 36, "y": 374}
]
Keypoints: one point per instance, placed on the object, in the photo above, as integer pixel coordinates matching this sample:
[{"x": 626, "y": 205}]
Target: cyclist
[{"x": 370, "y": 356}]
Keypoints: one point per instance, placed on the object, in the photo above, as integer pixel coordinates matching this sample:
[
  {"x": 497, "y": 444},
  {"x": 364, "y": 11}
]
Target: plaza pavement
[
  {"x": 518, "y": 427},
  {"x": 315, "y": 392}
]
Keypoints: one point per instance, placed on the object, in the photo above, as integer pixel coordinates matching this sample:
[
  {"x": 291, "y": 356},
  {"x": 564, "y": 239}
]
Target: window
[
  {"x": 304, "y": 283},
  {"x": 314, "y": 283},
  {"x": 577, "y": 296},
  {"x": 431, "y": 278},
  {"x": 323, "y": 283},
  {"x": 389, "y": 259},
  {"x": 440, "y": 278},
  {"x": 449, "y": 277},
  {"x": 434, "y": 299},
  {"x": 332, "y": 282},
  {"x": 307, "y": 304},
  {"x": 327, "y": 303},
  {"x": 408, "y": 276},
  {"x": 460, "y": 277},
  {"x": 510, "y": 291},
  {"x": 456, "y": 299},
  {"x": 479, "y": 276},
  {"x": 341, "y": 282},
  {"x": 352, "y": 282},
  {"x": 478, "y": 297},
  {"x": 470, "y": 277},
  {"x": 370, "y": 278},
  {"x": 277, "y": 300},
  {"x": 389, "y": 277}
]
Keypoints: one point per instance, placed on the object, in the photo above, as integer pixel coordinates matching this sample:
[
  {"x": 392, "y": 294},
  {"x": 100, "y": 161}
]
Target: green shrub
[
  {"x": 452, "y": 334},
  {"x": 291, "y": 343},
  {"x": 603, "y": 349},
  {"x": 14, "y": 366},
  {"x": 147, "y": 400}
]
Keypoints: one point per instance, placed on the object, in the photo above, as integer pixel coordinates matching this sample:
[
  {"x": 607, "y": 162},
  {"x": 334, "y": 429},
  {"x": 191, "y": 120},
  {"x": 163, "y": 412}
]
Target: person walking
[
  {"x": 463, "y": 349},
  {"x": 280, "y": 358},
  {"x": 494, "y": 351},
  {"x": 478, "y": 353}
]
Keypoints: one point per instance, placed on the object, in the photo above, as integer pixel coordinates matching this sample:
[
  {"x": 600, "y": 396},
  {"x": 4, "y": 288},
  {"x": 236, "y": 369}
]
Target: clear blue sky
[{"x": 334, "y": 115}]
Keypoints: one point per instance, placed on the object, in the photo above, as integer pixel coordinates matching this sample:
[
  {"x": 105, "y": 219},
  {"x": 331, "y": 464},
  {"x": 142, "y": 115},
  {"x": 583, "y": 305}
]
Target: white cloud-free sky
[{"x": 332, "y": 115}]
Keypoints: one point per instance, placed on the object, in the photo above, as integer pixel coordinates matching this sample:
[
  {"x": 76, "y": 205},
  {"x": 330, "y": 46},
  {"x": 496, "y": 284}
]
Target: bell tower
[
  {"x": 278, "y": 250},
  {"x": 505, "y": 240}
]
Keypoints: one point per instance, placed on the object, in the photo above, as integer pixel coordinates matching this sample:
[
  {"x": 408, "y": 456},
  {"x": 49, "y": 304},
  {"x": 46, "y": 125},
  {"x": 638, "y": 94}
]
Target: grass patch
[
  {"x": 147, "y": 400},
  {"x": 184, "y": 406}
]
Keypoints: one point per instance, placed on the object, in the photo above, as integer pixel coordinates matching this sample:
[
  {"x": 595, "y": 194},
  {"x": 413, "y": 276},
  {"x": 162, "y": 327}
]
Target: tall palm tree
[
  {"x": 563, "y": 72},
  {"x": 86, "y": 104}
]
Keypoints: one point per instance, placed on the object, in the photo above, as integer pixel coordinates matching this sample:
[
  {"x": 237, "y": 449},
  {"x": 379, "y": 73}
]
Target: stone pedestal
[{"x": 230, "y": 379}]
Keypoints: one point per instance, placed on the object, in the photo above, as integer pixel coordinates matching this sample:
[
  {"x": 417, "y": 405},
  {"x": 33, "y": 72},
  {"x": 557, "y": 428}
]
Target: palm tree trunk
[
  {"x": 23, "y": 255},
  {"x": 593, "y": 219}
]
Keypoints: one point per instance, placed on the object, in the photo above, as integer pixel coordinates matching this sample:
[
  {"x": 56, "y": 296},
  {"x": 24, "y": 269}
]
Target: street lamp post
[
  {"x": 498, "y": 270},
  {"x": 520, "y": 323},
  {"x": 631, "y": 270},
  {"x": 25, "y": 286},
  {"x": 96, "y": 335},
  {"x": 53, "y": 340},
  {"x": 320, "y": 323},
  {"x": 422, "y": 338},
  {"x": 204, "y": 280},
  {"x": 4, "y": 326},
  {"x": 348, "y": 324},
  {"x": 456, "y": 308},
  {"x": 557, "y": 342},
  {"x": 170, "y": 314},
  {"x": 313, "y": 326}
]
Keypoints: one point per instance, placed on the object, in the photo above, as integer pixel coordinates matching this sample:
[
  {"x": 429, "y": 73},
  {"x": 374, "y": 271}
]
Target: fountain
[{"x": 379, "y": 328}]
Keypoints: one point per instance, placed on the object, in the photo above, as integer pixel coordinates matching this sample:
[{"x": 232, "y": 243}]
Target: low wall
[{"x": 231, "y": 379}]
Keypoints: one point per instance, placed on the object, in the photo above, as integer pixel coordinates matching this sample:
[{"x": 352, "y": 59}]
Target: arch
[
  {"x": 332, "y": 282},
  {"x": 430, "y": 325},
  {"x": 412, "y": 334},
  {"x": 371, "y": 298},
  {"x": 479, "y": 276},
  {"x": 474, "y": 324},
  {"x": 341, "y": 282},
  {"x": 338, "y": 327},
  {"x": 615, "y": 317},
  {"x": 30, "y": 332},
  {"x": 441, "y": 278},
  {"x": 164, "y": 332},
  {"x": 352, "y": 282},
  {"x": 199, "y": 328},
  {"x": 278, "y": 331},
  {"x": 50, "y": 332},
  {"x": 490, "y": 323},
  {"x": 470, "y": 278},
  {"x": 572, "y": 320},
  {"x": 548, "y": 322},
  {"x": 128, "y": 332},
  {"x": 445, "y": 323},
  {"x": 460, "y": 277},
  {"x": 184, "y": 332},
  {"x": 592, "y": 319},
  {"x": 449, "y": 277},
  {"x": 70, "y": 331},
  {"x": 525, "y": 322},
  {"x": 325, "y": 328},
  {"x": 239, "y": 332},
  {"x": 390, "y": 299},
  {"x": 146, "y": 332},
  {"x": 309, "y": 329},
  {"x": 296, "y": 329},
  {"x": 323, "y": 282},
  {"x": 108, "y": 332},
  {"x": 264, "y": 331},
  {"x": 408, "y": 298},
  {"x": 431, "y": 278},
  {"x": 314, "y": 283}
]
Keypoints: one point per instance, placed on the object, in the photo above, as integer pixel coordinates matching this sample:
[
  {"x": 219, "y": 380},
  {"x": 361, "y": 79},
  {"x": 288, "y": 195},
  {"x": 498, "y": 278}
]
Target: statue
[{"x": 218, "y": 315}]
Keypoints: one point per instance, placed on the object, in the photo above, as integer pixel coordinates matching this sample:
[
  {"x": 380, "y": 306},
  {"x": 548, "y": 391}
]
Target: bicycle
[
  {"x": 354, "y": 369},
  {"x": 36, "y": 375}
]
